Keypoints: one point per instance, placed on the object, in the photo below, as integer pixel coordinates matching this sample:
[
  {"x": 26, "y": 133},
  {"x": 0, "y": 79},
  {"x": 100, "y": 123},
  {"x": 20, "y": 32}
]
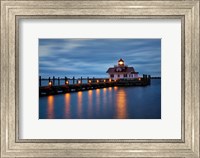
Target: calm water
[{"x": 106, "y": 103}]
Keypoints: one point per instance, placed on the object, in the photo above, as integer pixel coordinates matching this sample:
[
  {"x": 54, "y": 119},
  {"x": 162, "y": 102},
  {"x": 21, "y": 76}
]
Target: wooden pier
[{"x": 92, "y": 83}]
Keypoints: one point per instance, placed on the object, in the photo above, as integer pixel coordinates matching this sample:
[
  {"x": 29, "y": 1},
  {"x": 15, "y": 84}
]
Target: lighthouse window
[
  {"x": 111, "y": 75},
  {"x": 125, "y": 75},
  {"x": 118, "y": 75}
]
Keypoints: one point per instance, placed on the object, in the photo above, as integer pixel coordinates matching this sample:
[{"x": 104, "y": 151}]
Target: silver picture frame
[{"x": 13, "y": 11}]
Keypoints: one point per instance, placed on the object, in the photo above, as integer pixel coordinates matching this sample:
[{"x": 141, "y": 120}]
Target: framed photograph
[
  {"x": 93, "y": 88},
  {"x": 100, "y": 78}
]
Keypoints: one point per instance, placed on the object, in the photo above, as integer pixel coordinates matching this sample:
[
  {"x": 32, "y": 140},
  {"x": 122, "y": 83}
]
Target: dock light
[
  {"x": 67, "y": 82},
  {"x": 139, "y": 79},
  {"x": 104, "y": 80},
  {"x": 97, "y": 81},
  {"x": 110, "y": 80},
  {"x": 79, "y": 82},
  {"x": 89, "y": 81},
  {"x": 50, "y": 83}
]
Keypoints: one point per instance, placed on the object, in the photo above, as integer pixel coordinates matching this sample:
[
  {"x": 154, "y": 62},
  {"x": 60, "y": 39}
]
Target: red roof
[{"x": 120, "y": 60}]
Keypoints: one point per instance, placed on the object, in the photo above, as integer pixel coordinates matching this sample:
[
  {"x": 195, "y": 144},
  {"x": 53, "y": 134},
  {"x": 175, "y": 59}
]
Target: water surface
[{"x": 105, "y": 103}]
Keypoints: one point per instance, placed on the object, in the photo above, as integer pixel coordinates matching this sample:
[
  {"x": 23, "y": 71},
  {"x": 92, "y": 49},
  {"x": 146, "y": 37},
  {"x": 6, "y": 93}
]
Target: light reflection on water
[
  {"x": 104, "y": 98},
  {"x": 67, "y": 104},
  {"x": 97, "y": 104},
  {"x": 50, "y": 111},
  {"x": 80, "y": 102},
  {"x": 90, "y": 95},
  {"x": 106, "y": 103},
  {"x": 121, "y": 104}
]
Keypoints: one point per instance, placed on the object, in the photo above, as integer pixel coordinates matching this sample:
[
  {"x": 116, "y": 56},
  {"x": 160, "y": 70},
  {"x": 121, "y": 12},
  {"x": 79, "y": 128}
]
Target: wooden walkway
[{"x": 95, "y": 84}]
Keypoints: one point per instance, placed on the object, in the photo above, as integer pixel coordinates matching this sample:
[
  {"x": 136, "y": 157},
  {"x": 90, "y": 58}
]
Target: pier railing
[
  {"x": 63, "y": 85},
  {"x": 70, "y": 81}
]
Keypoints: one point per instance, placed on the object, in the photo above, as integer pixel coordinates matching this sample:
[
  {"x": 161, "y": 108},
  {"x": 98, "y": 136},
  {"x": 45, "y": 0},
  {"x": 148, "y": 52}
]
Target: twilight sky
[{"x": 92, "y": 57}]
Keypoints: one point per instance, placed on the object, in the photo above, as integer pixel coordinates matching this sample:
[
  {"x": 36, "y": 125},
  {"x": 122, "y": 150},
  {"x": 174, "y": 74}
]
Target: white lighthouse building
[{"x": 122, "y": 71}]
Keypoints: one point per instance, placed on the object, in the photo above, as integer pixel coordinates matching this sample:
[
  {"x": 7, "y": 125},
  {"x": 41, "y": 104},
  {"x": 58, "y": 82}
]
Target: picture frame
[{"x": 13, "y": 11}]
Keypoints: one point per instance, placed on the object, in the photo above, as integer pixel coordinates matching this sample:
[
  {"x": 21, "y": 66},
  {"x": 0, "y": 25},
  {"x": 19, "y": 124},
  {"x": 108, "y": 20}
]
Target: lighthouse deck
[{"x": 91, "y": 84}]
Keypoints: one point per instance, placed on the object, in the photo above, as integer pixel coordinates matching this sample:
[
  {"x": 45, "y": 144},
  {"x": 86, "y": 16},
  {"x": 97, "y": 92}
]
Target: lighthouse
[{"x": 122, "y": 71}]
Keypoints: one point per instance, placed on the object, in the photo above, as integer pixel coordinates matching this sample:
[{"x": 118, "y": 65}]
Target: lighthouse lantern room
[{"x": 122, "y": 71}]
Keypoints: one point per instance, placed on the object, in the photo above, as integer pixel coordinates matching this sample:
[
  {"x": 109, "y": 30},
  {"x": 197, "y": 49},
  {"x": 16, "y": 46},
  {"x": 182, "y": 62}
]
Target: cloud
[{"x": 92, "y": 57}]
